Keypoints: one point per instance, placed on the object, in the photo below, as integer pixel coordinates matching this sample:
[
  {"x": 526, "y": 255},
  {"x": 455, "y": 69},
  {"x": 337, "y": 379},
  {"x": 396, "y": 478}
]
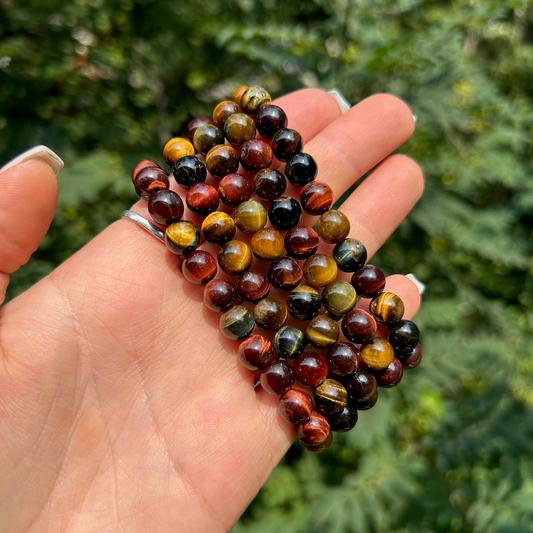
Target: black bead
[
  {"x": 269, "y": 120},
  {"x": 404, "y": 335},
  {"x": 189, "y": 170},
  {"x": 345, "y": 420},
  {"x": 286, "y": 143},
  {"x": 350, "y": 255},
  {"x": 301, "y": 169},
  {"x": 284, "y": 213},
  {"x": 289, "y": 342}
]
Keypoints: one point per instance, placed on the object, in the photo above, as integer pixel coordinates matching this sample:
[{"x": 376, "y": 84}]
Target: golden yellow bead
[
  {"x": 182, "y": 237},
  {"x": 268, "y": 244},
  {"x": 218, "y": 228},
  {"x": 387, "y": 308},
  {"x": 234, "y": 258},
  {"x": 250, "y": 216},
  {"x": 175, "y": 149},
  {"x": 320, "y": 270},
  {"x": 377, "y": 354}
]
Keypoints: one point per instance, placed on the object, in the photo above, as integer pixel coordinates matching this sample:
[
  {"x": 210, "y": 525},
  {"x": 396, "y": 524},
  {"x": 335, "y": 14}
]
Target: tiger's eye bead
[
  {"x": 333, "y": 226},
  {"x": 316, "y": 198},
  {"x": 193, "y": 125},
  {"x": 237, "y": 95},
  {"x": 188, "y": 171},
  {"x": 237, "y": 323},
  {"x": 361, "y": 386},
  {"x": 301, "y": 242},
  {"x": 315, "y": 432},
  {"x": 289, "y": 342},
  {"x": 310, "y": 369},
  {"x": 377, "y": 354},
  {"x": 392, "y": 375},
  {"x": 269, "y": 184},
  {"x": 199, "y": 267},
  {"x": 234, "y": 189},
  {"x": 285, "y": 273},
  {"x": 301, "y": 169},
  {"x": 350, "y": 255},
  {"x": 222, "y": 160},
  {"x": 270, "y": 314},
  {"x": 303, "y": 303},
  {"x": 330, "y": 397},
  {"x": 369, "y": 281},
  {"x": 207, "y": 137},
  {"x": 286, "y": 143},
  {"x": 202, "y": 199},
  {"x": 223, "y": 111},
  {"x": 359, "y": 326},
  {"x": 256, "y": 352},
  {"x": 165, "y": 206},
  {"x": 411, "y": 359},
  {"x": 387, "y": 308},
  {"x": 404, "y": 336},
  {"x": 234, "y": 258},
  {"x": 175, "y": 149},
  {"x": 253, "y": 286},
  {"x": 140, "y": 166},
  {"x": 239, "y": 128},
  {"x": 320, "y": 270},
  {"x": 150, "y": 180},
  {"x": 277, "y": 377},
  {"x": 253, "y": 99},
  {"x": 366, "y": 404},
  {"x": 339, "y": 298},
  {"x": 345, "y": 420},
  {"x": 250, "y": 216},
  {"x": 255, "y": 155},
  {"x": 219, "y": 294},
  {"x": 269, "y": 120},
  {"x": 182, "y": 237},
  {"x": 267, "y": 244},
  {"x": 343, "y": 359},
  {"x": 322, "y": 331},
  {"x": 284, "y": 213},
  {"x": 295, "y": 406},
  {"x": 218, "y": 228}
]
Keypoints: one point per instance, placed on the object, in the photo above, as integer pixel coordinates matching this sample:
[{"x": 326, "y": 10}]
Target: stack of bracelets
[{"x": 320, "y": 392}]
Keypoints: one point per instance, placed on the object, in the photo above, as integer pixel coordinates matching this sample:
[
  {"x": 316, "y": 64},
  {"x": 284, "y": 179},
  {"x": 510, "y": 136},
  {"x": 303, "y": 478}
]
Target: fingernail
[
  {"x": 37, "y": 152},
  {"x": 419, "y": 285},
  {"x": 341, "y": 100},
  {"x": 415, "y": 118}
]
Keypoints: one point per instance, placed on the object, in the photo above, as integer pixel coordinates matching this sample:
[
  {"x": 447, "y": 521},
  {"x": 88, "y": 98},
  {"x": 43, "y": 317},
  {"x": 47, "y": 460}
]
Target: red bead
[
  {"x": 269, "y": 184},
  {"x": 316, "y": 198},
  {"x": 150, "y": 180},
  {"x": 165, "y": 206},
  {"x": 343, "y": 359},
  {"x": 285, "y": 273},
  {"x": 301, "y": 242},
  {"x": 255, "y": 155},
  {"x": 202, "y": 198},
  {"x": 411, "y": 359},
  {"x": 234, "y": 189},
  {"x": 199, "y": 267},
  {"x": 220, "y": 294},
  {"x": 286, "y": 143},
  {"x": 315, "y": 431},
  {"x": 369, "y": 282},
  {"x": 193, "y": 125},
  {"x": 277, "y": 377},
  {"x": 391, "y": 376},
  {"x": 310, "y": 369},
  {"x": 256, "y": 352},
  {"x": 269, "y": 120},
  {"x": 139, "y": 166},
  {"x": 359, "y": 326},
  {"x": 296, "y": 406},
  {"x": 253, "y": 286}
]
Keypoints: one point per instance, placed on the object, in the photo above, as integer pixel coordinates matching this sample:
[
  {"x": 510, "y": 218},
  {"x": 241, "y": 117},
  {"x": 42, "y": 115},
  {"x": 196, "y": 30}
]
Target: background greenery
[{"x": 105, "y": 83}]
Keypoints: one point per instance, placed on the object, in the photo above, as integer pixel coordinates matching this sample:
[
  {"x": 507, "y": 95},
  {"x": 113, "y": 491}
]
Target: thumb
[{"x": 28, "y": 201}]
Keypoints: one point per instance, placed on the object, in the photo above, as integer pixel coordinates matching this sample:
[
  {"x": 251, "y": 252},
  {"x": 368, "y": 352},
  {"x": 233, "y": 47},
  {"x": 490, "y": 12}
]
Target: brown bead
[
  {"x": 345, "y": 420},
  {"x": 165, "y": 206},
  {"x": 182, "y": 237},
  {"x": 320, "y": 270},
  {"x": 392, "y": 375},
  {"x": 316, "y": 198},
  {"x": 301, "y": 242},
  {"x": 239, "y": 128},
  {"x": 270, "y": 314},
  {"x": 199, "y": 267},
  {"x": 361, "y": 386},
  {"x": 218, "y": 228},
  {"x": 267, "y": 244},
  {"x": 250, "y": 216},
  {"x": 377, "y": 354},
  {"x": 223, "y": 111},
  {"x": 202, "y": 199},
  {"x": 411, "y": 359},
  {"x": 369, "y": 281},
  {"x": 319, "y": 448},
  {"x": 269, "y": 184},
  {"x": 339, "y": 298},
  {"x": 303, "y": 302},
  {"x": 286, "y": 143},
  {"x": 255, "y": 155},
  {"x": 256, "y": 352},
  {"x": 175, "y": 149},
  {"x": 206, "y": 137},
  {"x": 330, "y": 397},
  {"x": 333, "y": 226},
  {"x": 387, "y": 308},
  {"x": 234, "y": 189},
  {"x": 343, "y": 359},
  {"x": 237, "y": 323},
  {"x": 270, "y": 119},
  {"x": 403, "y": 336},
  {"x": 285, "y": 273},
  {"x": 253, "y": 99},
  {"x": 150, "y": 180},
  {"x": 237, "y": 95},
  {"x": 277, "y": 377},
  {"x": 234, "y": 258},
  {"x": 220, "y": 294},
  {"x": 139, "y": 166},
  {"x": 359, "y": 326},
  {"x": 367, "y": 403},
  {"x": 315, "y": 431},
  {"x": 193, "y": 125},
  {"x": 296, "y": 406},
  {"x": 322, "y": 331},
  {"x": 310, "y": 369},
  {"x": 253, "y": 286},
  {"x": 222, "y": 160}
]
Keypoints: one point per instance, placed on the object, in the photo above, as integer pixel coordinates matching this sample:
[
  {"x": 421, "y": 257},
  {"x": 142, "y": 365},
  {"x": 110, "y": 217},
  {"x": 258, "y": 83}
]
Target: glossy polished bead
[
  {"x": 202, "y": 199},
  {"x": 193, "y": 125},
  {"x": 175, "y": 149},
  {"x": 301, "y": 242},
  {"x": 182, "y": 237},
  {"x": 333, "y": 226},
  {"x": 255, "y": 155},
  {"x": 392, "y": 375},
  {"x": 310, "y": 369},
  {"x": 140, "y": 166},
  {"x": 270, "y": 314},
  {"x": 277, "y": 377},
  {"x": 269, "y": 120},
  {"x": 286, "y": 143},
  {"x": 404, "y": 336},
  {"x": 207, "y": 137},
  {"x": 289, "y": 342},
  {"x": 150, "y": 180},
  {"x": 237, "y": 323},
  {"x": 188, "y": 171},
  {"x": 319, "y": 448},
  {"x": 301, "y": 169},
  {"x": 322, "y": 331},
  {"x": 361, "y": 386},
  {"x": 199, "y": 267},
  {"x": 359, "y": 326},
  {"x": 220, "y": 295},
  {"x": 366, "y": 404},
  {"x": 234, "y": 189},
  {"x": 222, "y": 160},
  {"x": 315, "y": 431},
  {"x": 369, "y": 281},
  {"x": 218, "y": 228},
  {"x": 267, "y": 244},
  {"x": 285, "y": 273},
  {"x": 345, "y": 420},
  {"x": 339, "y": 297},
  {"x": 387, "y": 308},
  {"x": 316, "y": 198},
  {"x": 320, "y": 270},
  {"x": 350, "y": 255},
  {"x": 234, "y": 258},
  {"x": 256, "y": 352},
  {"x": 284, "y": 213},
  {"x": 303, "y": 303},
  {"x": 237, "y": 95},
  {"x": 253, "y": 99},
  {"x": 295, "y": 406},
  {"x": 330, "y": 397},
  {"x": 269, "y": 184},
  {"x": 411, "y": 359},
  {"x": 165, "y": 206},
  {"x": 239, "y": 128},
  {"x": 223, "y": 111},
  {"x": 253, "y": 286},
  {"x": 377, "y": 354},
  {"x": 250, "y": 216},
  {"x": 343, "y": 359}
]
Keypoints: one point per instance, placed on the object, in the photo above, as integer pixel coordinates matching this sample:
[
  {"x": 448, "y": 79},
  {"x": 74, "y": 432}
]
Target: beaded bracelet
[{"x": 319, "y": 392}]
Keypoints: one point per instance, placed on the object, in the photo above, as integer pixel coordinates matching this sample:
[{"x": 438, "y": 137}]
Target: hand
[{"x": 122, "y": 406}]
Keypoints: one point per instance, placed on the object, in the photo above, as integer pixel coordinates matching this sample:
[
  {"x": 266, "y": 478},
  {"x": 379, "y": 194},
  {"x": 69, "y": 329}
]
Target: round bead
[
  {"x": 303, "y": 303},
  {"x": 255, "y": 155},
  {"x": 277, "y": 377},
  {"x": 333, "y": 226},
  {"x": 350, "y": 255},
  {"x": 234, "y": 258},
  {"x": 286, "y": 143},
  {"x": 330, "y": 397},
  {"x": 199, "y": 267},
  {"x": 222, "y": 160},
  {"x": 301, "y": 242},
  {"x": 343, "y": 359},
  {"x": 234, "y": 189},
  {"x": 295, "y": 406},
  {"x": 322, "y": 331},
  {"x": 339, "y": 298},
  {"x": 237, "y": 95},
  {"x": 165, "y": 206},
  {"x": 218, "y": 228},
  {"x": 207, "y": 137},
  {"x": 188, "y": 171},
  {"x": 269, "y": 120},
  {"x": 193, "y": 125},
  {"x": 301, "y": 169},
  {"x": 310, "y": 369},
  {"x": 359, "y": 326},
  {"x": 250, "y": 216},
  {"x": 345, "y": 420},
  {"x": 202, "y": 199},
  {"x": 140, "y": 166},
  {"x": 256, "y": 352},
  {"x": 237, "y": 323},
  {"x": 182, "y": 237},
  {"x": 219, "y": 294},
  {"x": 270, "y": 314},
  {"x": 411, "y": 359},
  {"x": 387, "y": 308},
  {"x": 369, "y": 281},
  {"x": 284, "y": 212},
  {"x": 392, "y": 375},
  {"x": 175, "y": 149},
  {"x": 253, "y": 286},
  {"x": 150, "y": 180},
  {"x": 223, "y": 111},
  {"x": 319, "y": 448},
  {"x": 289, "y": 342},
  {"x": 315, "y": 431},
  {"x": 285, "y": 273},
  {"x": 320, "y": 270},
  {"x": 267, "y": 244},
  {"x": 316, "y": 198},
  {"x": 377, "y": 354},
  {"x": 404, "y": 336},
  {"x": 269, "y": 184},
  {"x": 239, "y": 128},
  {"x": 361, "y": 386},
  {"x": 253, "y": 99},
  {"x": 368, "y": 403}
]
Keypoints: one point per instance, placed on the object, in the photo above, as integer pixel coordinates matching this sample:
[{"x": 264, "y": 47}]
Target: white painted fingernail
[
  {"x": 419, "y": 285},
  {"x": 37, "y": 152},
  {"x": 341, "y": 100}
]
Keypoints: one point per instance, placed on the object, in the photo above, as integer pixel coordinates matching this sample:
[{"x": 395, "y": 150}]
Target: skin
[{"x": 122, "y": 406}]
